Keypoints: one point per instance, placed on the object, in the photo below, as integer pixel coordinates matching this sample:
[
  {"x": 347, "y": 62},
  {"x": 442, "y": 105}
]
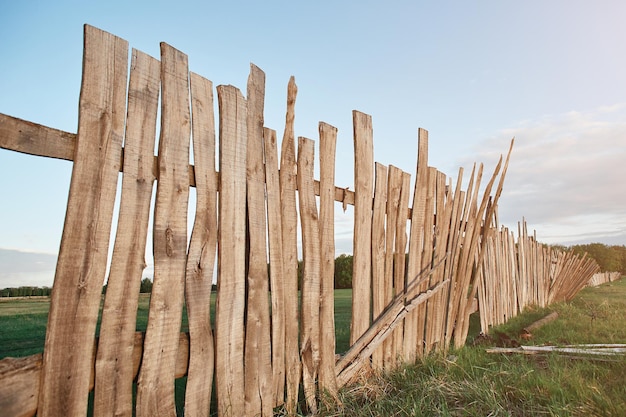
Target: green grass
[
  {"x": 471, "y": 382},
  {"x": 466, "y": 382}
]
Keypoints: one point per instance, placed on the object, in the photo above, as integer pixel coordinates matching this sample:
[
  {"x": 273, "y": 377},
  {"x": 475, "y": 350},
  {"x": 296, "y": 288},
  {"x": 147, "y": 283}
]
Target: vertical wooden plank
[
  {"x": 454, "y": 247},
  {"x": 328, "y": 144},
  {"x": 436, "y": 307},
  {"x": 288, "y": 188},
  {"x": 394, "y": 186},
  {"x": 257, "y": 359},
  {"x": 380, "y": 298},
  {"x": 464, "y": 242},
  {"x": 424, "y": 320},
  {"x": 400, "y": 251},
  {"x": 310, "y": 309},
  {"x": 230, "y": 306},
  {"x": 277, "y": 279},
  {"x": 114, "y": 365},
  {"x": 155, "y": 386},
  {"x": 416, "y": 246},
  {"x": 81, "y": 267},
  {"x": 362, "y": 251},
  {"x": 202, "y": 250}
]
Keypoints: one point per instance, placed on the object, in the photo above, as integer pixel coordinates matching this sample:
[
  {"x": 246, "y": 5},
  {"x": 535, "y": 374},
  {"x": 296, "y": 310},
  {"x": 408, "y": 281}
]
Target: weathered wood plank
[
  {"x": 34, "y": 139},
  {"x": 257, "y": 359},
  {"x": 19, "y": 385},
  {"x": 310, "y": 308},
  {"x": 328, "y": 144},
  {"x": 81, "y": 265},
  {"x": 427, "y": 257},
  {"x": 155, "y": 387},
  {"x": 202, "y": 251},
  {"x": 394, "y": 187},
  {"x": 114, "y": 372},
  {"x": 277, "y": 277},
  {"x": 400, "y": 250},
  {"x": 436, "y": 307},
  {"x": 20, "y": 378},
  {"x": 416, "y": 245},
  {"x": 288, "y": 170},
  {"x": 380, "y": 296},
  {"x": 362, "y": 251},
  {"x": 229, "y": 313}
]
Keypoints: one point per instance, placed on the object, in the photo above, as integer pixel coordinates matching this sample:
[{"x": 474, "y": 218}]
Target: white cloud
[{"x": 566, "y": 175}]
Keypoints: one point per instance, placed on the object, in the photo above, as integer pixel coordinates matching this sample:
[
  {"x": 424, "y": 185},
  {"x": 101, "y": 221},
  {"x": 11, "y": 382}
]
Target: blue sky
[{"x": 474, "y": 74}]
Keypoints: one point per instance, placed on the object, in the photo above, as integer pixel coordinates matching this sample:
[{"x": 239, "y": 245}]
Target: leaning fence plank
[
  {"x": 288, "y": 187},
  {"x": 328, "y": 140},
  {"x": 257, "y": 359},
  {"x": 277, "y": 280},
  {"x": 81, "y": 266},
  {"x": 202, "y": 249},
  {"x": 310, "y": 324},
  {"x": 362, "y": 251},
  {"x": 114, "y": 371},
  {"x": 155, "y": 387},
  {"x": 229, "y": 313}
]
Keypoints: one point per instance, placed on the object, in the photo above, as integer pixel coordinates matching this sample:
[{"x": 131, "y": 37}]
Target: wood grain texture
[
  {"x": 19, "y": 385},
  {"x": 394, "y": 186},
  {"x": 81, "y": 265},
  {"x": 362, "y": 251},
  {"x": 34, "y": 139},
  {"x": 231, "y": 297},
  {"x": 276, "y": 255},
  {"x": 400, "y": 251},
  {"x": 257, "y": 359},
  {"x": 310, "y": 306},
  {"x": 328, "y": 144},
  {"x": 416, "y": 245},
  {"x": 288, "y": 186},
  {"x": 380, "y": 295},
  {"x": 114, "y": 372},
  {"x": 202, "y": 251},
  {"x": 155, "y": 387}
]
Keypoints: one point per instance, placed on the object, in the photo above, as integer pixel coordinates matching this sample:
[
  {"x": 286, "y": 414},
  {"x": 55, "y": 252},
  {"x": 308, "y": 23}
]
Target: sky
[{"x": 552, "y": 74}]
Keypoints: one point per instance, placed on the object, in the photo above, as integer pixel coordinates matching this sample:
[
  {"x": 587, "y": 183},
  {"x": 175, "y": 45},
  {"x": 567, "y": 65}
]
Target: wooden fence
[
  {"x": 515, "y": 275},
  {"x": 412, "y": 292},
  {"x": 603, "y": 278}
]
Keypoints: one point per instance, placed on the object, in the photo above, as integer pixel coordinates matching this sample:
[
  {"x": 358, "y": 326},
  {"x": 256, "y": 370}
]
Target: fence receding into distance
[{"x": 418, "y": 266}]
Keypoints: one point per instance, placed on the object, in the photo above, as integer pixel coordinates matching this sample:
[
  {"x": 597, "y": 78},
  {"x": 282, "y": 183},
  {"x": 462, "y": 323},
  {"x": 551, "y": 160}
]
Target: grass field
[
  {"x": 467, "y": 382},
  {"x": 472, "y": 382},
  {"x": 23, "y": 322}
]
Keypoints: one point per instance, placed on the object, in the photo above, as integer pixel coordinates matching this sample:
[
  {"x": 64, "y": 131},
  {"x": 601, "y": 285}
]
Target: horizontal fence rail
[{"x": 418, "y": 266}]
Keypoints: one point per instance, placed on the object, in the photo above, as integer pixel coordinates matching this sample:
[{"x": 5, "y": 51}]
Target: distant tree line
[
  {"x": 609, "y": 258},
  {"x": 25, "y": 291}
]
